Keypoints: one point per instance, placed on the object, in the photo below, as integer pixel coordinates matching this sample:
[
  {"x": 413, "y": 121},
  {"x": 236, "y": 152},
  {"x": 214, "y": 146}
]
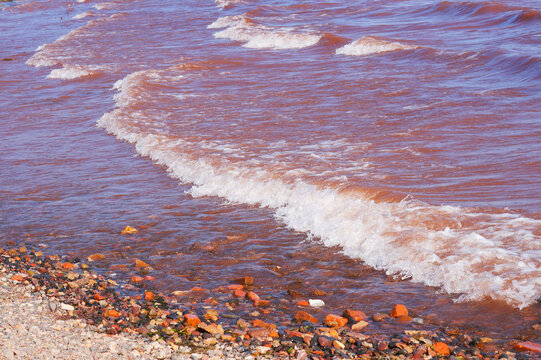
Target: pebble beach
[{"x": 52, "y": 307}]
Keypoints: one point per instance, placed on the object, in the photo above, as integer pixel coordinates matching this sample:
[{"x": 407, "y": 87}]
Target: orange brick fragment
[
  {"x": 355, "y": 315},
  {"x": 111, "y": 313},
  {"x": 442, "y": 349},
  {"x": 246, "y": 280},
  {"x": 304, "y": 316},
  {"x": 95, "y": 257},
  {"x": 335, "y": 321},
  {"x": 149, "y": 295},
  {"x": 17, "y": 277},
  {"x": 136, "y": 279},
  {"x": 235, "y": 287},
  {"x": 192, "y": 320},
  {"x": 261, "y": 323},
  {"x": 128, "y": 230},
  {"x": 252, "y": 296},
  {"x": 69, "y": 266},
  {"x": 528, "y": 346},
  {"x": 239, "y": 293},
  {"x": 302, "y": 303},
  {"x": 262, "y": 303},
  {"x": 140, "y": 264},
  {"x": 399, "y": 310},
  {"x": 98, "y": 297}
]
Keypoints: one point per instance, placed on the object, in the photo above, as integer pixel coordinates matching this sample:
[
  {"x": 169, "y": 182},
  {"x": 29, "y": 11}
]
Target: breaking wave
[
  {"x": 472, "y": 253},
  {"x": 256, "y": 36},
  {"x": 370, "y": 45}
]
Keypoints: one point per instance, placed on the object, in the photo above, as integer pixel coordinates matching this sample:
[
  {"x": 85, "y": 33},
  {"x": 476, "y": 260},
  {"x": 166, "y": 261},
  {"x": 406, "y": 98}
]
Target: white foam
[
  {"x": 70, "y": 72},
  {"x": 239, "y": 28},
  {"x": 83, "y": 15},
  {"x": 104, "y": 5},
  {"x": 371, "y": 45},
  {"x": 472, "y": 254},
  {"x": 227, "y": 3}
]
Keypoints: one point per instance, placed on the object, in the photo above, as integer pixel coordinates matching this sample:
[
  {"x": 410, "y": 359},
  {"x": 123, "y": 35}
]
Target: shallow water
[{"x": 317, "y": 145}]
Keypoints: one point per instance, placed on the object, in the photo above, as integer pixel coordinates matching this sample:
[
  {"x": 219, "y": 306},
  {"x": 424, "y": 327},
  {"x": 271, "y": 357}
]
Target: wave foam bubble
[
  {"x": 370, "y": 45},
  {"x": 83, "y": 15},
  {"x": 467, "y": 252},
  {"x": 255, "y": 36},
  {"x": 70, "y": 72}
]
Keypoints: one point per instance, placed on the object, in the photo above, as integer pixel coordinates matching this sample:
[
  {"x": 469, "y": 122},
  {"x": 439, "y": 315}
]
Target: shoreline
[{"x": 56, "y": 306}]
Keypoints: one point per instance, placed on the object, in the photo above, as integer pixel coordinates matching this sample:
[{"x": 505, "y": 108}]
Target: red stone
[
  {"x": 69, "y": 266},
  {"x": 17, "y": 277},
  {"x": 239, "y": 293},
  {"x": 399, "y": 310},
  {"x": 149, "y": 295},
  {"x": 442, "y": 349},
  {"x": 262, "y": 303},
  {"x": 335, "y": 321},
  {"x": 192, "y": 320},
  {"x": 302, "y": 303},
  {"x": 304, "y": 316},
  {"x": 136, "y": 279},
  {"x": 98, "y": 297},
  {"x": 252, "y": 296},
  {"x": 528, "y": 346},
  {"x": 355, "y": 315},
  {"x": 235, "y": 287},
  {"x": 111, "y": 313},
  {"x": 246, "y": 280}
]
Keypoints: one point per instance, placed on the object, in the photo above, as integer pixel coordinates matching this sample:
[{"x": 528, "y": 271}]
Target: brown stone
[
  {"x": 354, "y": 315},
  {"x": 304, "y": 316},
  {"x": 325, "y": 341},
  {"x": 262, "y": 303},
  {"x": 318, "y": 292},
  {"x": 212, "y": 329},
  {"x": 211, "y": 315},
  {"x": 95, "y": 257},
  {"x": 380, "y": 317},
  {"x": 404, "y": 319},
  {"x": 359, "y": 326},
  {"x": 242, "y": 324},
  {"x": 261, "y": 323},
  {"x": 258, "y": 332},
  {"x": 128, "y": 230},
  {"x": 246, "y": 280},
  {"x": 294, "y": 293},
  {"x": 398, "y": 311},
  {"x": 335, "y": 321},
  {"x": 140, "y": 264}
]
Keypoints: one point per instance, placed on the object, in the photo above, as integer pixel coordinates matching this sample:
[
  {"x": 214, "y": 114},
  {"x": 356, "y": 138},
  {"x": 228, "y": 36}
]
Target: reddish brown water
[{"x": 381, "y": 153}]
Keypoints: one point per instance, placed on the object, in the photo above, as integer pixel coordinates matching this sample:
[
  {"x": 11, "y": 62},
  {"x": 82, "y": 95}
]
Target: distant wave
[
  {"x": 371, "y": 45},
  {"x": 501, "y": 12},
  {"x": 256, "y": 36}
]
